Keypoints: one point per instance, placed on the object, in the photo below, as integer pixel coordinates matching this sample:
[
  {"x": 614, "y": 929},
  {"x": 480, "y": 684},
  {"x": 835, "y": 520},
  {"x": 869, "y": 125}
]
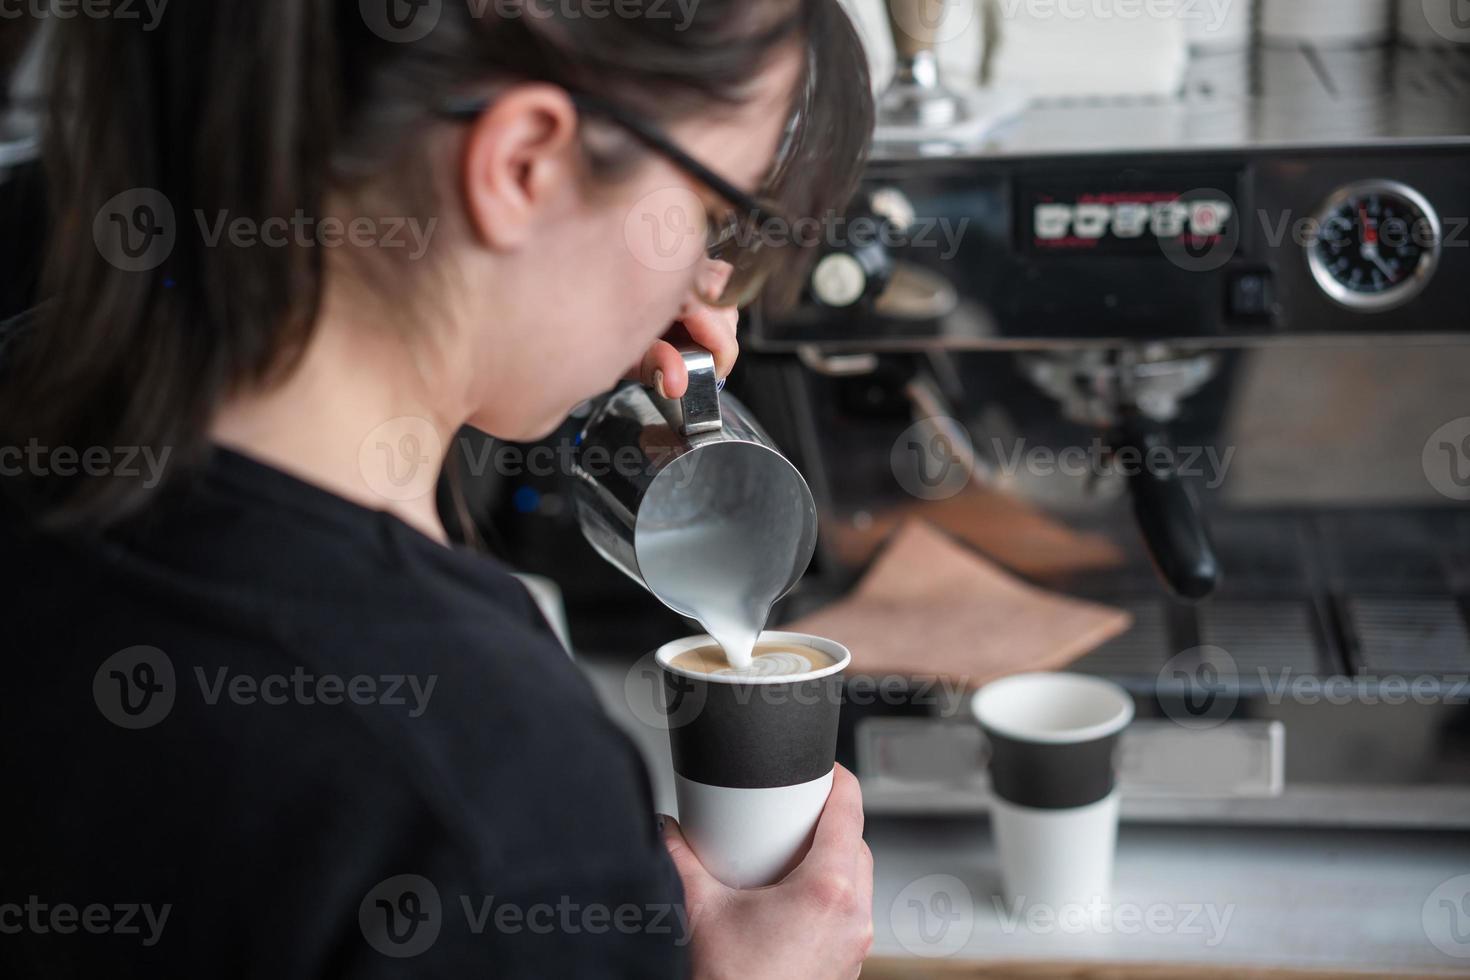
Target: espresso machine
[{"x": 1263, "y": 291}]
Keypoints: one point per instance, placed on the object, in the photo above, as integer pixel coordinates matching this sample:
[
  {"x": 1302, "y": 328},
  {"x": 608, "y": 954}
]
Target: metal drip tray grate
[
  {"x": 1409, "y": 635},
  {"x": 1140, "y": 652},
  {"x": 1263, "y": 635},
  {"x": 1385, "y": 634},
  {"x": 1260, "y": 635},
  {"x": 1433, "y": 73}
]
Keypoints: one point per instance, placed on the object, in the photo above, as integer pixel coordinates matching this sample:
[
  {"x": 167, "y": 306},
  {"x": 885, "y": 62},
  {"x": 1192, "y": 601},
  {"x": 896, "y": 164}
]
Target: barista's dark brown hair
[
  {"x": 263, "y": 108},
  {"x": 13, "y": 43}
]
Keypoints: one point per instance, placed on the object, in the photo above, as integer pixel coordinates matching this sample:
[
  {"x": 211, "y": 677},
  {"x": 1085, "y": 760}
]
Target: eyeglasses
[{"x": 736, "y": 238}]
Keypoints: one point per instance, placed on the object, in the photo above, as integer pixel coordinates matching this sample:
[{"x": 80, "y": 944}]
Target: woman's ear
[{"x": 517, "y": 157}]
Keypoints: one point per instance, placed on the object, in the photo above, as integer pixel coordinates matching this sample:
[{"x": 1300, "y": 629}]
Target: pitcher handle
[{"x": 699, "y": 409}]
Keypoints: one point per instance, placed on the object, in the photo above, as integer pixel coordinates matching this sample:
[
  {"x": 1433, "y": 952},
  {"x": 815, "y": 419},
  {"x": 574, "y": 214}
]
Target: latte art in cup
[
  {"x": 769, "y": 660},
  {"x": 776, "y": 664}
]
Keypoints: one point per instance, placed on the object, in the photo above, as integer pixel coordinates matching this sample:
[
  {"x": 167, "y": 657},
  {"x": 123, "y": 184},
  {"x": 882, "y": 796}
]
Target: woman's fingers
[
  {"x": 701, "y": 889},
  {"x": 682, "y": 854},
  {"x": 840, "y": 830},
  {"x": 865, "y": 895},
  {"x": 712, "y": 327},
  {"x": 663, "y": 368},
  {"x": 832, "y": 868},
  {"x": 714, "y": 330}
]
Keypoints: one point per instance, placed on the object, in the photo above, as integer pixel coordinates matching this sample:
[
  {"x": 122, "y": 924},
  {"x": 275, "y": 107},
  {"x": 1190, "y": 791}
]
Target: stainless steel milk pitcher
[{"x": 689, "y": 498}]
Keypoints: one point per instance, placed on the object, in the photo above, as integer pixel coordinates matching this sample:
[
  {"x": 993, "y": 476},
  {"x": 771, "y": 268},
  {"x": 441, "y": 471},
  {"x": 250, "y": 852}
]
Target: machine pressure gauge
[{"x": 1376, "y": 245}]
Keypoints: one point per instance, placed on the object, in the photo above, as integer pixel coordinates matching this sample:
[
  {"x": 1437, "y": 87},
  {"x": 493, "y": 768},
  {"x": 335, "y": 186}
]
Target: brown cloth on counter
[{"x": 929, "y": 606}]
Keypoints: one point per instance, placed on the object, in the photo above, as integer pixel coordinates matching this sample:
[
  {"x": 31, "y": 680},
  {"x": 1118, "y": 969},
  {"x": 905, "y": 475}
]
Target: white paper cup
[
  {"x": 753, "y": 758},
  {"x": 1053, "y": 745}
]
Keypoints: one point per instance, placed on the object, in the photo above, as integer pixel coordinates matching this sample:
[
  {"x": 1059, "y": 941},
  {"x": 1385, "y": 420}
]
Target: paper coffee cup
[
  {"x": 1053, "y": 779},
  {"x": 753, "y": 758}
]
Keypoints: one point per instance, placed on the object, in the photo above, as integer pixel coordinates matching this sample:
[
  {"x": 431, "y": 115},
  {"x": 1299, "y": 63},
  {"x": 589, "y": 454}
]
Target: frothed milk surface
[{"x": 767, "y": 660}]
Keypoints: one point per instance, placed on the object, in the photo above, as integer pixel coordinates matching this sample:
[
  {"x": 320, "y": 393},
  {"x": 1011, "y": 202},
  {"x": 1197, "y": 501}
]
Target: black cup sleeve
[
  {"x": 749, "y": 736},
  {"x": 1051, "y": 776}
]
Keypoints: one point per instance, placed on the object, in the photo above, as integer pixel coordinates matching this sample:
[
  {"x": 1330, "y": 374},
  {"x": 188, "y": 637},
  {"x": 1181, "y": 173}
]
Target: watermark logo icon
[
  {"x": 1446, "y": 459},
  {"x": 1199, "y": 688},
  {"x": 933, "y": 458},
  {"x": 656, "y": 705},
  {"x": 401, "y": 916},
  {"x": 932, "y": 21},
  {"x": 1446, "y": 917},
  {"x": 135, "y": 688},
  {"x": 136, "y": 230},
  {"x": 400, "y": 459},
  {"x": 933, "y": 916},
  {"x": 666, "y": 230},
  {"x": 1450, "y": 19},
  {"x": 1199, "y": 231},
  {"x": 401, "y": 21}
]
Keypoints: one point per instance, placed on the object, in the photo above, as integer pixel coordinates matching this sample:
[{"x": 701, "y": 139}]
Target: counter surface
[{"x": 1210, "y": 896}]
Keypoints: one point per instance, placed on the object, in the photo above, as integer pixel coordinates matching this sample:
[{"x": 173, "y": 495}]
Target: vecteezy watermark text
[
  {"x": 589, "y": 10},
  {"x": 1200, "y": 687},
  {"x": 1212, "y": 13},
  {"x": 655, "y": 706},
  {"x": 150, "y": 12},
  {"x": 137, "y": 688},
  {"x": 303, "y": 231},
  {"x": 301, "y": 687},
  {"x": 97, "y": 918},
  {"x": 667, "y": 231},
  {"x": 34, "y": 459},
  {"x": 400, "y": 460},
  {"x": 937, "y": 915},
  {"x": 403, "y": 916},
  {"x": 934, "y": 459},
  {"x": 406, "y": 21},
  {"x": 137, "y": 230},
  {"x": 1097, "y": 917},
  {"x": 1100, "y": 459}
]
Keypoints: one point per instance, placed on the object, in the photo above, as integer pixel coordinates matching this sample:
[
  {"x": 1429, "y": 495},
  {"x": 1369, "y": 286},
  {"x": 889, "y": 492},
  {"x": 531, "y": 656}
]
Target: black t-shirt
[{"x": 266, "y": 732}]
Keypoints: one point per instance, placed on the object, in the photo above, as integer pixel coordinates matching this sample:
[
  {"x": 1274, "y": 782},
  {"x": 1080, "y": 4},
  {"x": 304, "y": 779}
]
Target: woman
[{"x": 274, "y": 724}]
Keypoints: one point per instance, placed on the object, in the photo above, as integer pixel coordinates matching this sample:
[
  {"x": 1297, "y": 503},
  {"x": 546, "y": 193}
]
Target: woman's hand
[
  {"x": 817, "y": 923},
  {"x": 710, "y": 327}
]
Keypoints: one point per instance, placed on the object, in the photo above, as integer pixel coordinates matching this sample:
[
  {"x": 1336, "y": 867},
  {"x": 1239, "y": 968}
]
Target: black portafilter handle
[{"x": 1168, "y": 516}]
